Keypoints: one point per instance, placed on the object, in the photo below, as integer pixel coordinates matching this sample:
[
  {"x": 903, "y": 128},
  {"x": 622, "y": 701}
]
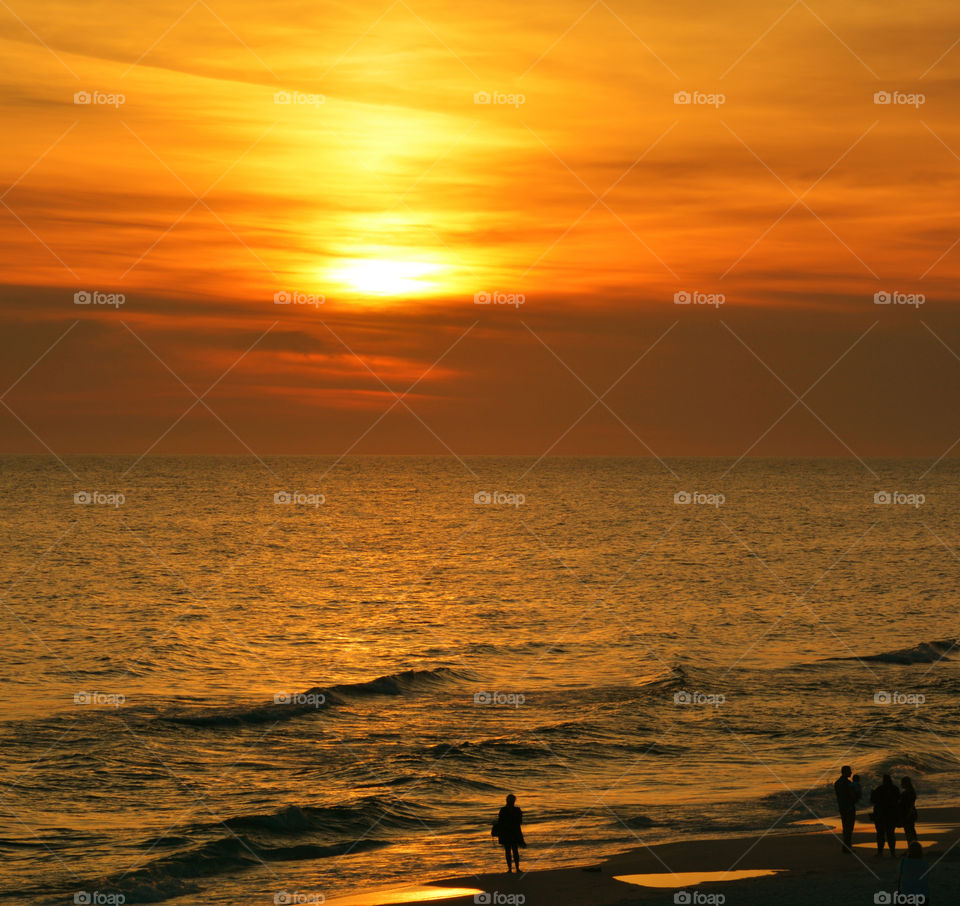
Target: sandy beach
[{"x": 806, "y": 866}]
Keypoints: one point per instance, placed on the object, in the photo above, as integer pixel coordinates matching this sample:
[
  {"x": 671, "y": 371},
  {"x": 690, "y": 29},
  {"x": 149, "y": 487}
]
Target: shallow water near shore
[
  {"x": 692, "y": 878},
  {"x": 239, "y": 698}
]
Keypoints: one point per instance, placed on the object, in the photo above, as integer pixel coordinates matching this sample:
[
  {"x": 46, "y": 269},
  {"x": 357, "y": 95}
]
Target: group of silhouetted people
[{"x": 893, "y": 807}]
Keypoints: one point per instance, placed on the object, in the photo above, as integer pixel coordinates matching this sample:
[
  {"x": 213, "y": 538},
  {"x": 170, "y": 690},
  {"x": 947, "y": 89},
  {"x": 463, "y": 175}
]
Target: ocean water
[{"x": 210, "y": 696}]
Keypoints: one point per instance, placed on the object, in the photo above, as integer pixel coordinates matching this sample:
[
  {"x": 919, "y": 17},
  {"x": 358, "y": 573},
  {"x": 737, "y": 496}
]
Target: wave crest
[
  {"x": 320, "y": 698},
  {"x": 924, "y": 653}
]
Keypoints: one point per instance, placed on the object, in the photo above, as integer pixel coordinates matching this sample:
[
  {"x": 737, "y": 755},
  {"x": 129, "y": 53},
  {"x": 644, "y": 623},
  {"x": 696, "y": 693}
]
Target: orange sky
[{"x": 383, "y": 188}]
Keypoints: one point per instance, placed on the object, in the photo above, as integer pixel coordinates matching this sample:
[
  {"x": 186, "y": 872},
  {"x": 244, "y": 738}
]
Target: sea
[{"x": 230, "y": 680}]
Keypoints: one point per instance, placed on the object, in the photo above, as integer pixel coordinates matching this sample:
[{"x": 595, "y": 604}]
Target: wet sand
[{"x": 808, "y": 867}]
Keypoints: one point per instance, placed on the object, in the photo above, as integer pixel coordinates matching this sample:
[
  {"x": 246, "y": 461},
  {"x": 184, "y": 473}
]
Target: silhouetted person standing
[
  {"x": 908, "y": 809},
  {"x": 886, "y": 806},
  {"x": 847, "y": 804},
  {"x": 509, "y": 832}
]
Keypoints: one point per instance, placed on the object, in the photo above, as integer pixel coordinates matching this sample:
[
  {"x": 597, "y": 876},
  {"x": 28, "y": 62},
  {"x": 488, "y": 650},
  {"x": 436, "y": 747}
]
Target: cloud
[{"x": 397, "y": 165}]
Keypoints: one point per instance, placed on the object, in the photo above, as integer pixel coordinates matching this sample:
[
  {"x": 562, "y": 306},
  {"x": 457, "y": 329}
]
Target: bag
[{"x": 495, "y": 830}]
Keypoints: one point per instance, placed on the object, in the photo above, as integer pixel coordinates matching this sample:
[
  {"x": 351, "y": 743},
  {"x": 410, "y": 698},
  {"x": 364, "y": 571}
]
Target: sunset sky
[{"x": 236, "y": 150}]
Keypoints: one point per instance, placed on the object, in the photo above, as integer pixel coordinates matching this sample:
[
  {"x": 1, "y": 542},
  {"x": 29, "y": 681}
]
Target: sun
[{"x": 382, "y": 277}]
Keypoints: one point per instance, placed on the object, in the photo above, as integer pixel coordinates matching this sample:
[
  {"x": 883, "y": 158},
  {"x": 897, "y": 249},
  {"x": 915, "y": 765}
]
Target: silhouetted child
[
  {"x": 913, "y": 874},
  {"x": 857, "y": 788}
]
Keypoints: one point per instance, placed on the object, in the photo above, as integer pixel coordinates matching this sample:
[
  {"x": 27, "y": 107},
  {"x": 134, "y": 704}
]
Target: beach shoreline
[{"x": 809, "y": 867}]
